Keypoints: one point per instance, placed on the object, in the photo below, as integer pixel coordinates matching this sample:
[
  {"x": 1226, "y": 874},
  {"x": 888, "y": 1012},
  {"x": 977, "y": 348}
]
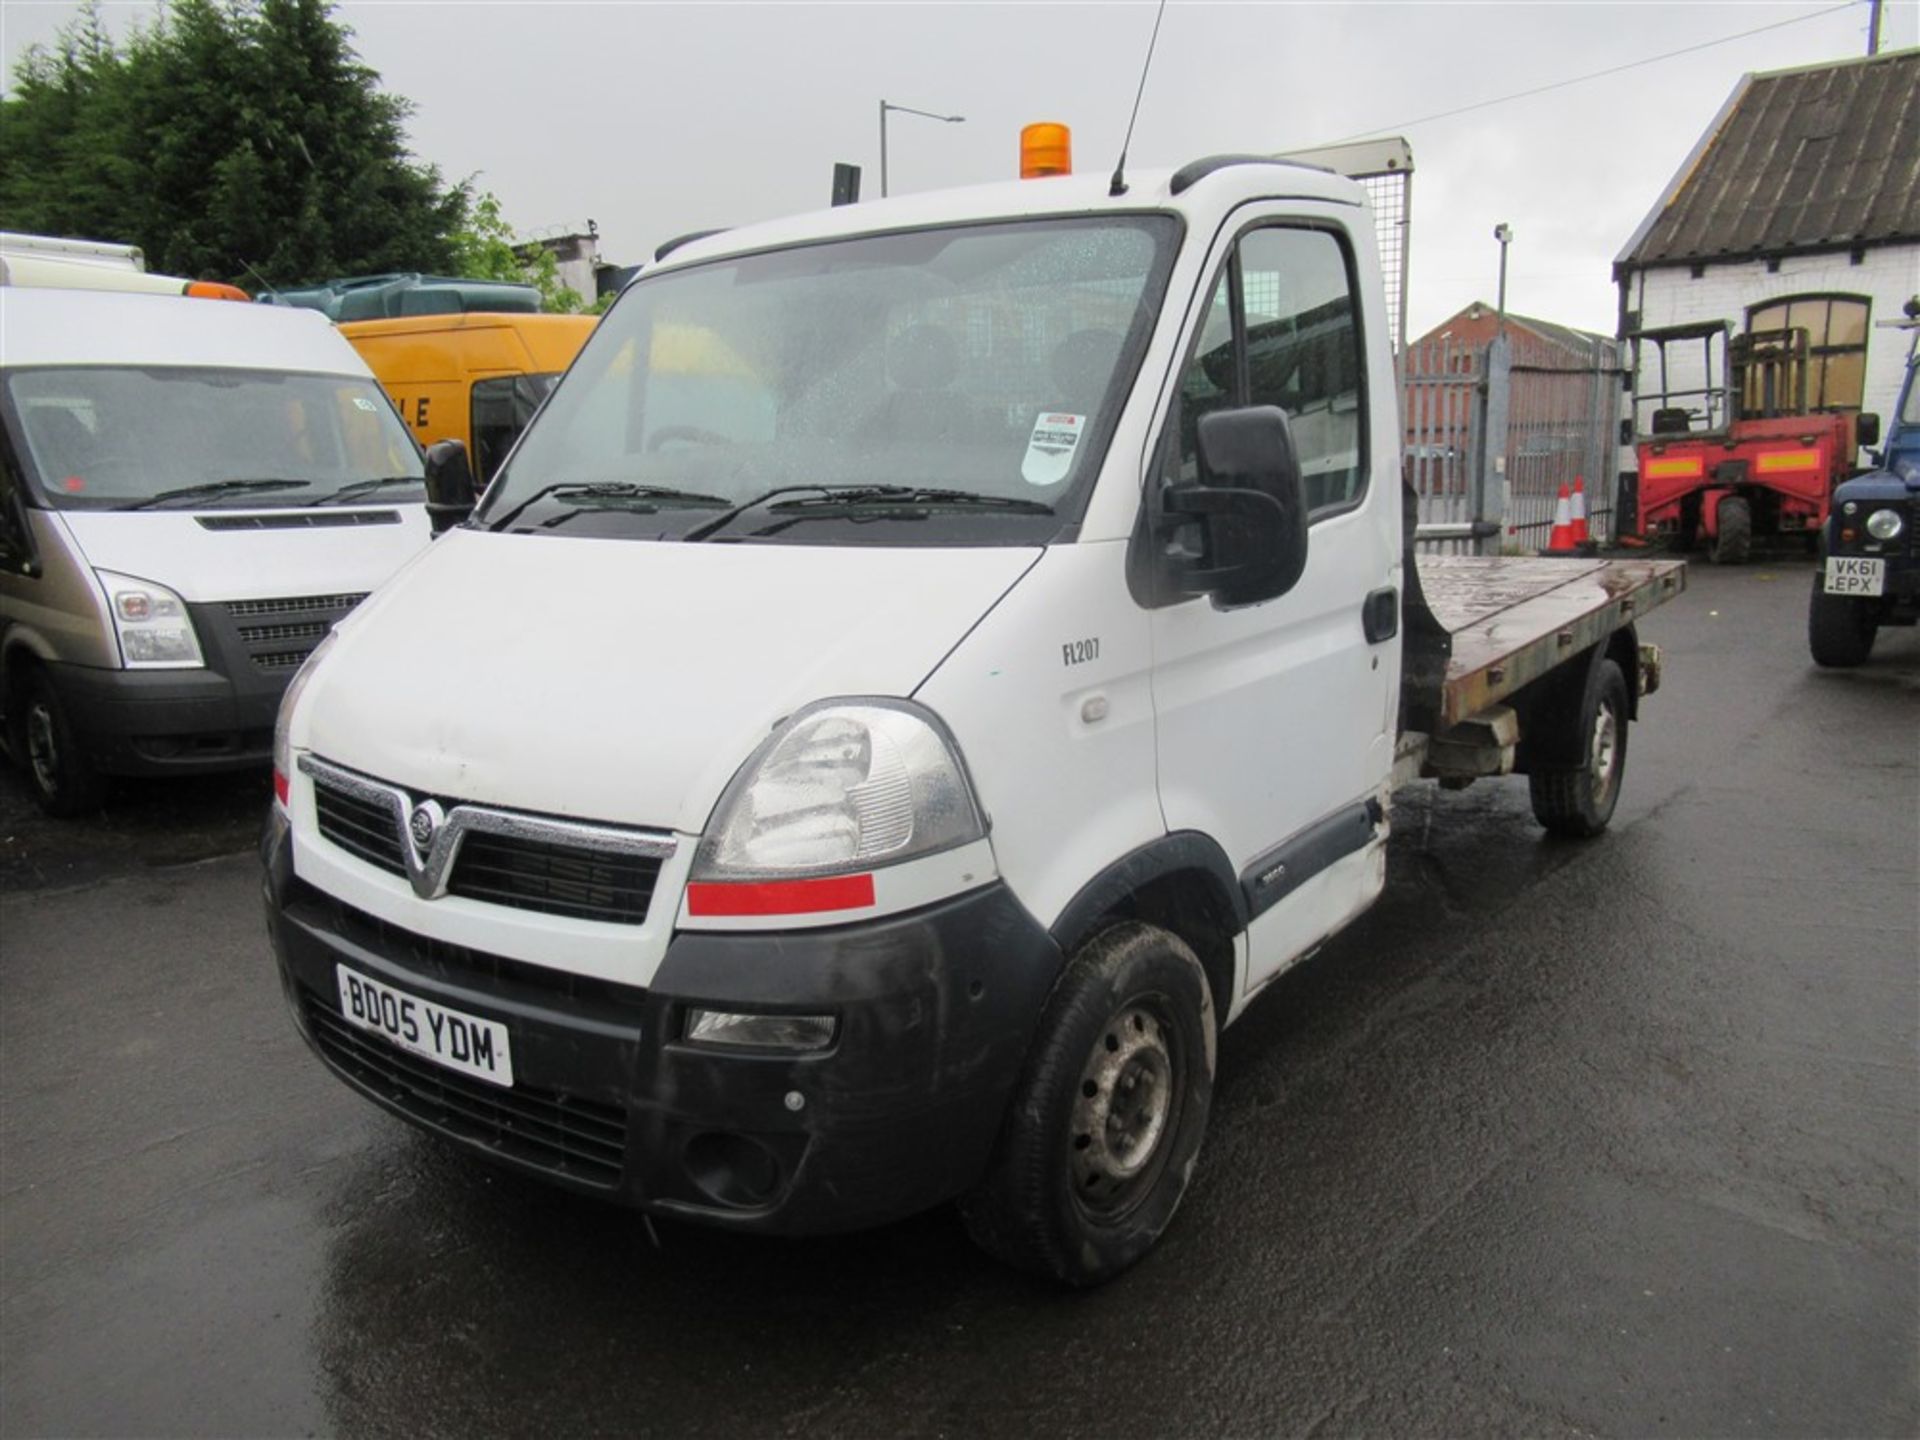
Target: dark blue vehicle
[{"x": 1870, "y": 549}]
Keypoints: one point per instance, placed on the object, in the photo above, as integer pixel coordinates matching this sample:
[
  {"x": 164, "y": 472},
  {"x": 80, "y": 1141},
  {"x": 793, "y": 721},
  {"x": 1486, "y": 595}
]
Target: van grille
[
  {"x": 523, "y": 872},
  {"x": 360, "y": 827},
  {"x": 583, "y": 1140},
  {"x": 295, "y": 627}
]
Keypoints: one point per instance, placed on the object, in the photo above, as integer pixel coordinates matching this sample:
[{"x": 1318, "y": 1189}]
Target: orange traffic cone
[
  {"x": 1560, "y": 542},
  {"x": 1581, "y": 540}
]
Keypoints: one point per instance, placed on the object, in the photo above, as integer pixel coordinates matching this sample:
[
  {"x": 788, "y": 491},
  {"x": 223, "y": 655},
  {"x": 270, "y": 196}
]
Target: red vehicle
[{"x": 1729, "y": 448}]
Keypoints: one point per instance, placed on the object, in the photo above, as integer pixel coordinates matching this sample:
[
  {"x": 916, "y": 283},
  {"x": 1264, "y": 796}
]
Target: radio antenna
[{"x": 1119, "y": 185}]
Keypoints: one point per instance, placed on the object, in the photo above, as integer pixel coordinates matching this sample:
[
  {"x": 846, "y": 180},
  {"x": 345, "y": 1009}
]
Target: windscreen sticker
[
  {"x": 1051, "y": 447},
  {"x": 364, "y": 403}
]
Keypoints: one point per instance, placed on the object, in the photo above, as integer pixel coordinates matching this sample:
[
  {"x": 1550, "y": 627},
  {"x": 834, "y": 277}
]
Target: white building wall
[{"x": 1889, "y": 275}]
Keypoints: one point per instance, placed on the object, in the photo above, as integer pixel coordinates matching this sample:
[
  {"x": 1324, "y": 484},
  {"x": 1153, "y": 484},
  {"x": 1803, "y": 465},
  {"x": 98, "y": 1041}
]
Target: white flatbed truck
[{"x": 925, "y": 670}]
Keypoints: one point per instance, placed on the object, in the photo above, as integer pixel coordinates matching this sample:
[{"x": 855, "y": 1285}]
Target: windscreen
[
  {"x": 104, "y": 437},
  {"x": 980, "y": 361}
]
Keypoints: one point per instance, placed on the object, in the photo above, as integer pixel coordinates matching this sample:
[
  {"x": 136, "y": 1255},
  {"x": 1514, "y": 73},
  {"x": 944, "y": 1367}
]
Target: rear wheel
[
  {"x": 1102, "y": 1134},
  {"x": 1734, "y": 520},
  {"x": 1578, "y": 802},
  {"x": 1840, "y": 629},
  {"x": 64, "y": 780}
]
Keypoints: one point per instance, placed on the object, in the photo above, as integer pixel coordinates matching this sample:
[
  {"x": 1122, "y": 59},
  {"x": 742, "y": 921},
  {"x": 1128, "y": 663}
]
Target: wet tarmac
[{"x": 1607, "y": 1138}]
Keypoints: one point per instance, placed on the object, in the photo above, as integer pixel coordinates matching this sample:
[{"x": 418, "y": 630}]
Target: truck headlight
[
  {"x": 152, "y": 624},
  {"x": 283, "y": 721},
  {"x": 1884, "y": 524},
  {"x": 839, "y": 786}
]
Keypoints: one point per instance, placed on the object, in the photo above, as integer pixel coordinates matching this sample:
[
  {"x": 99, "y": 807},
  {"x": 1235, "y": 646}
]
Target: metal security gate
[{"x": 1550, "y": 425}]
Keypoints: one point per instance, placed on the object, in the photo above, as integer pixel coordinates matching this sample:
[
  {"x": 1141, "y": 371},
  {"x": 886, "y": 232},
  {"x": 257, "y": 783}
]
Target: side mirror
[
  {"x": 1626, "y": 431},
  {"x": 1866, "y": 429},
  {"x": 1251, "y": 509},
  {"x": 450, "y": 494}
]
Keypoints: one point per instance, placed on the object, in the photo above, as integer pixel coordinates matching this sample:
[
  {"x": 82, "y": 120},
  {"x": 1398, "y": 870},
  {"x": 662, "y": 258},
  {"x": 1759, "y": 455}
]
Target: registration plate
[
  {"x": 451, "y": 1038},
  {"x": 1855, "y": 575}
]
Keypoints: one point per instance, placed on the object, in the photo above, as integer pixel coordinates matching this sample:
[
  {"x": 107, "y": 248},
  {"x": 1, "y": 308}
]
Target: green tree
[
  {"x": 484, "y": 249},
  {"x": 230, "y": 139}
]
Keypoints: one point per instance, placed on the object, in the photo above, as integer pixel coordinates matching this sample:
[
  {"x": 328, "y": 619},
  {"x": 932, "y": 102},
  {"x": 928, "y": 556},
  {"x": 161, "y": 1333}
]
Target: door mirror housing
[
  {"x": 1251, "y": 508},
  {"x": 450, "y": 494},
  {"x": 1866, "y": 429}
]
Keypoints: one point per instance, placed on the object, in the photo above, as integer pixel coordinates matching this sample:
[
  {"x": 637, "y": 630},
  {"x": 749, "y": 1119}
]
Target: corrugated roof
[{"x": 1820, "y": 158}]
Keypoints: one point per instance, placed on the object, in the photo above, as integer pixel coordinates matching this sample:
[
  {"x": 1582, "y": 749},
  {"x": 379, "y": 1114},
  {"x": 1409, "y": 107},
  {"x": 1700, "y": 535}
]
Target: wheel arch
[
  {"x": 1545, "y": 705},
  {"x": 1181, "y": 882}
]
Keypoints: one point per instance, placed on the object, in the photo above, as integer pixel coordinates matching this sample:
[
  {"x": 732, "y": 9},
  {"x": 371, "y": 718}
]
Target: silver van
[{"x": 192, "y": 493}]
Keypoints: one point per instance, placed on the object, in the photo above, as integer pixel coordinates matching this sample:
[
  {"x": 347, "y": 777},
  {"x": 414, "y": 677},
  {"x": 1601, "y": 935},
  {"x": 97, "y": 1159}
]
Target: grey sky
[{"x": 655, "y": 119}]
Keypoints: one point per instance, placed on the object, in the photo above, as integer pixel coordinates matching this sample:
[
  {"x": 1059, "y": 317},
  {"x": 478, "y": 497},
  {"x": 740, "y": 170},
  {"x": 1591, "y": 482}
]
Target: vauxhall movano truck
[{"x": 868, "y": 770}]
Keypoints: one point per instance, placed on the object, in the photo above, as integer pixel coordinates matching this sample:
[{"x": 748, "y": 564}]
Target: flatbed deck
[{"x": 1512, "y": 619}]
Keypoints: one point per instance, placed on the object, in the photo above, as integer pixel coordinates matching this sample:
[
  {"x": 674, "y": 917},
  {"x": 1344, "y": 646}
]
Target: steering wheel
[{"x": 686, "y": 434}]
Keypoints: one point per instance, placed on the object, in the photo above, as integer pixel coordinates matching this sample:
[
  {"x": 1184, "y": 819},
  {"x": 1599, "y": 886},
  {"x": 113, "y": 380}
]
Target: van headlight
[
  {"x": 1883, "y": 524},
  {"x": 152, "y": 624},
  {"x": 841, "y": 785}
]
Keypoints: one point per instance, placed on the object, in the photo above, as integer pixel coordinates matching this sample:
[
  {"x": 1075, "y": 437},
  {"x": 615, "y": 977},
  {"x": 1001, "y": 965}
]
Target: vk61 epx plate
[
  {"x": 451, "y": 1038},
  {"x": 1855, "y": 575}
]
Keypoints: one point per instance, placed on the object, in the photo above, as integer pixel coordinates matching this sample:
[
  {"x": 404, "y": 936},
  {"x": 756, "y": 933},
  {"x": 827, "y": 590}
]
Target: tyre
[
  {"x": 1734, "y": 543},
  {"x": 1579, "y": 802},
  {"x": 63, "y": 779},
  {"x": 1104, "y": 1127},
  {"x": 1840, "y": 630}
]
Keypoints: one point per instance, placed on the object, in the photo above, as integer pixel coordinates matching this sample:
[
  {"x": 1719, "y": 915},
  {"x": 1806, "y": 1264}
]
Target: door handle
[{"x": 1380, "y": 615}]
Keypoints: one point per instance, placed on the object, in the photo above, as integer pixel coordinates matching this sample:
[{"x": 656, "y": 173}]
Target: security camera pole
[{"x": 1502, "y": 232}]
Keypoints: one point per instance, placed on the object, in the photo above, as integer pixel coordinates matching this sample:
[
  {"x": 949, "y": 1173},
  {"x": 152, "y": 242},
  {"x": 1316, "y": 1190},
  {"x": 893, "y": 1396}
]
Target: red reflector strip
[
  {"x": 780, "y": 897},
  {"x": 280, "y": 787}
]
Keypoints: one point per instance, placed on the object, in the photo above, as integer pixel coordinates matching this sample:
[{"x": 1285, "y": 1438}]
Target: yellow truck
[{"x": 476, "y": 378}]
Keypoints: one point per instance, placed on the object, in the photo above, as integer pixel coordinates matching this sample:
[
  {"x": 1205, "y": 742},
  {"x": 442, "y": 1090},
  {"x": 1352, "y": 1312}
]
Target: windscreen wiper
[
  {"x": 213, "y": 487},
  {"x": 830, "y": 499},
  {"x": 365, "y": 487},
  {"x": 608, "y": 490}
]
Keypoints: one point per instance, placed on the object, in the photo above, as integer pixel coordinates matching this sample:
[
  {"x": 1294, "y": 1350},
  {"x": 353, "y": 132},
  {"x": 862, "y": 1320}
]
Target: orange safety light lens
[
  {"x": 216, "y": 290},
  {"x": 1045, "y": 149}
]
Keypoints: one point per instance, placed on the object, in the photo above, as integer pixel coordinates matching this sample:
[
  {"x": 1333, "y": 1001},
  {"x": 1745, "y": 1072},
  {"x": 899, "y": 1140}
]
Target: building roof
[
  {"x": 1564, "y": 336},
  {"x": 1818, "y": 158}
]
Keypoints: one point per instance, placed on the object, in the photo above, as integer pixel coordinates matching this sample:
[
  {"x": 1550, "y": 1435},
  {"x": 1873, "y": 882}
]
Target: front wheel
[
  {"x": 1104, "y": 1129},
  {"x": 64, "y": 780},
  {"x": 1579, "y": 802},
  {"x": 1840, "y": 629}
]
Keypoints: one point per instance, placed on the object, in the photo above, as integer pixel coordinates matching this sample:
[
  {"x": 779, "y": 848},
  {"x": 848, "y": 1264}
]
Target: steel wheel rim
[
  {"x": 43, "y": 756},
  {"x": 1603, "y": 751},
  {"x": 1123, "y": 1111}
]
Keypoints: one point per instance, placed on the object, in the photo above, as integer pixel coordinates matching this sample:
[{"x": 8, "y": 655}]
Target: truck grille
[
  {"x": 360, "y": 827},
  {"x": 293, "y": 627},
  {"x": 583, "y": 1140},
  {"x": 584, "y": 881}
]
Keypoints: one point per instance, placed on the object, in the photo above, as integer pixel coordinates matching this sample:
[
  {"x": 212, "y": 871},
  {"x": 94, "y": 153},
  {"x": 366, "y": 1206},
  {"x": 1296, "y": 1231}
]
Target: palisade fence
[{"x": 1489, "y": 443}]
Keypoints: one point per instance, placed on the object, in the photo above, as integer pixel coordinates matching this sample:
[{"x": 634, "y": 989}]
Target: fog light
[{"x": 759, "y": 1032}]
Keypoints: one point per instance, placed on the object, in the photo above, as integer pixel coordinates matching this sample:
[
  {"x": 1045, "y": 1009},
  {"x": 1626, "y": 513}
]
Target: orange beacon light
[{"x": 1046, "y": 148}]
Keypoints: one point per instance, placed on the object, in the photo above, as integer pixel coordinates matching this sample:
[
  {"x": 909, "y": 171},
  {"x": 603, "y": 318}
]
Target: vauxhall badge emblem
[{"x": 424, "y": 824}]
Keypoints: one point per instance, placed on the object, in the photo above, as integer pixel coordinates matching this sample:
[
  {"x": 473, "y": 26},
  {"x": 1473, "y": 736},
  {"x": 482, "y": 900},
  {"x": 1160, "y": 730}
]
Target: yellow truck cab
[{"x": 474, "y": 378}]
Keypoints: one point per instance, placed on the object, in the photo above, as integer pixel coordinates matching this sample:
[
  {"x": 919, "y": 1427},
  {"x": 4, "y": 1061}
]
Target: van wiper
[
  {"x": 607, "y": 490},
  {"x": 366, "y": 487},
  {"x": 828, "y": 499},
  {"x": 213, "y": 487}
]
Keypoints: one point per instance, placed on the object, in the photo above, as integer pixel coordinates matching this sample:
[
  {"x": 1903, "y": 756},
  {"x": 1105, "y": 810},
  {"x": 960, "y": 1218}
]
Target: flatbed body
[{"x": 1510, "y": 620}]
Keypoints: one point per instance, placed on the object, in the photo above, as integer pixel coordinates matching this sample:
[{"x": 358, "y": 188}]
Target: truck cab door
[{"x": 1276, "y": 720}]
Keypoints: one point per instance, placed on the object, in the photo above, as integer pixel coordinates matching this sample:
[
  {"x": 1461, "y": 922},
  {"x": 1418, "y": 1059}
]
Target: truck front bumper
[{"x": 934, "y": 1012}]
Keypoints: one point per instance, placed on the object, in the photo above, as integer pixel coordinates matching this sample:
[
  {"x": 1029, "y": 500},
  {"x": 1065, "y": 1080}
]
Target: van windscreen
[
  {"x": 947, "y": 386},
  {"x": 117, "y": 437}
]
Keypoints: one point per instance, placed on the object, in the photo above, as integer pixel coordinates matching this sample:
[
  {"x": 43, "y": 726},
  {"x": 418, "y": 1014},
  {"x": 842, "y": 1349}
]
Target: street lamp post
[
  {"x": 885, "y": 106},
  {"x": 1503, "y": 232}
]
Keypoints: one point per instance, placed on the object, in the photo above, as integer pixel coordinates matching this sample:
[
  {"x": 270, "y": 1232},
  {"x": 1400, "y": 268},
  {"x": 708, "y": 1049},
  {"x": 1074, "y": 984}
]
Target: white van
[
  {"x": 191, "y": 494},
  {"x": 875, "y": 761}
]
